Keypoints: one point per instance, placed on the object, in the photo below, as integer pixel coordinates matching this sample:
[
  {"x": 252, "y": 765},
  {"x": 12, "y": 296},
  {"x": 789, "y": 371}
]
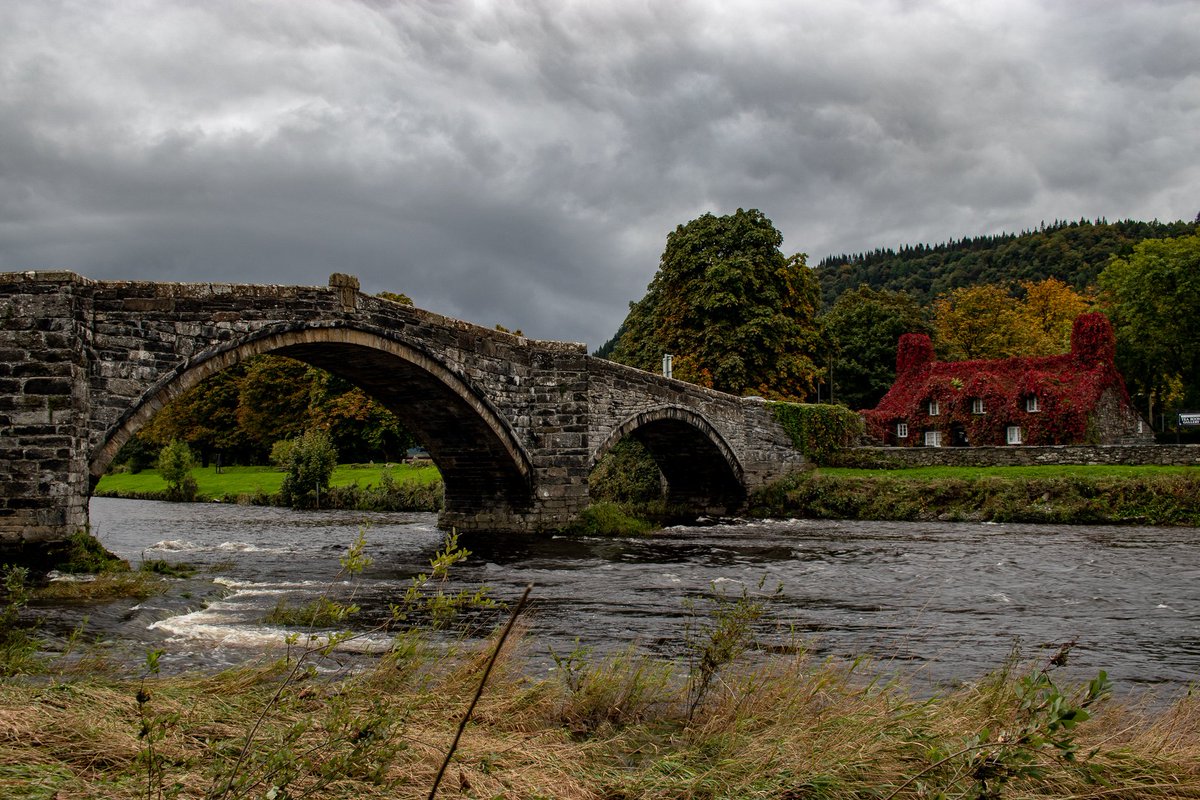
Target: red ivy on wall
[{"x": 1067, "y": 387}]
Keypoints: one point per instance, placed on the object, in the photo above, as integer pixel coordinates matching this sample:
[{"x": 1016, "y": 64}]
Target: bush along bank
[{"x": 1144, "y": 500}]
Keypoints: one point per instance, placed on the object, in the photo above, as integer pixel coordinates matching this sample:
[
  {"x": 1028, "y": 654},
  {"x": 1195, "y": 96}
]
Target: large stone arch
[
  {"x": 483, "y": 465},
  {"x": 701, "y": 470}
]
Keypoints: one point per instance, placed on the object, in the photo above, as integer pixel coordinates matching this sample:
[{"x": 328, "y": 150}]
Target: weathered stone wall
[
  {"x": 87, "y": 363},
  {"x": 1187, "y": 455},
  {"x": 1116, "y": 422},
  {"x": 514, "y": 424},
  {"x": 43, "y": 405},
  {"x": 706, "y": 442}
]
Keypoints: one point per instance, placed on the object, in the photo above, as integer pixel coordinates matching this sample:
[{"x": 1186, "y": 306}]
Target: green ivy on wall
[{"x": 818, "y": 431}]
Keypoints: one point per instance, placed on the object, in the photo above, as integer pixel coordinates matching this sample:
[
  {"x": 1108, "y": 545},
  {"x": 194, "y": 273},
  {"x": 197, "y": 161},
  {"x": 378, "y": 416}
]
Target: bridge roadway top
[{"x": 515, "y": 424}]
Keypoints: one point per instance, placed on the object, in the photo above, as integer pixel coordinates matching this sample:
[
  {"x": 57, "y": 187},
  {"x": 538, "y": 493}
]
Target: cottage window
[
  {"x": 1031, "y": 404},
  {"x": 1014, "y": 434},
  {"x": 977, "y": 405},
  {"x": 933, "y": 438},
  {"x": 933, "y": 408},
  {"x": 901, "y": 430}
]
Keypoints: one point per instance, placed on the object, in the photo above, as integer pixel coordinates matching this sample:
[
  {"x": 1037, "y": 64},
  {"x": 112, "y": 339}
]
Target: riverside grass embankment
[
  {"x": 1142, "y": 495},
  {"x": 1089, "y": 494}
]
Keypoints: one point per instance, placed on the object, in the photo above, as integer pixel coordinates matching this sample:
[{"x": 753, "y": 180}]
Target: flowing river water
[{"x": 937, "y": 601}]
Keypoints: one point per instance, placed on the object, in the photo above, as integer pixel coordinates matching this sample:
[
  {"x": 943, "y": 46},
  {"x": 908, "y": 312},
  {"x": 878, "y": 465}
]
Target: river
[{"x": 939, "y": 602}]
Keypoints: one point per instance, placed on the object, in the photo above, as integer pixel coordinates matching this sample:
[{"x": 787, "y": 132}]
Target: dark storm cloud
[{"x": 522, "y": 162}]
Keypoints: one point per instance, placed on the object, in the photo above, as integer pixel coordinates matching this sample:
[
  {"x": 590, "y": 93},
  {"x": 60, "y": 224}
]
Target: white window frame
[
  {"x": 901, "y": 430},
  {"x": 977, "y": 405},
  {"x": 1014, "y": 435},
  {"x": 1032, "y": 405},
  {"x": 933, "y": 438},
  {"x": 933, "y": 408}
]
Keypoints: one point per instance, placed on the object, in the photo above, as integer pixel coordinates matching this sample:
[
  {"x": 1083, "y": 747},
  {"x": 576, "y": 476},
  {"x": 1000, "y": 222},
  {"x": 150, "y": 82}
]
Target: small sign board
[{"x": 1189, "y": 419}]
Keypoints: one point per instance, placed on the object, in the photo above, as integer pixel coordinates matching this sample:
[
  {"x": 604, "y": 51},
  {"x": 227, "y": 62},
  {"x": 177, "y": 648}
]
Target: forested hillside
[{"x": 1073, "y": 252}]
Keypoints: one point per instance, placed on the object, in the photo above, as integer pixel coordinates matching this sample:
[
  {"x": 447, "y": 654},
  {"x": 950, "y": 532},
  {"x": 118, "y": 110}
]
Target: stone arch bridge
[{"x": 515, "y": 425}]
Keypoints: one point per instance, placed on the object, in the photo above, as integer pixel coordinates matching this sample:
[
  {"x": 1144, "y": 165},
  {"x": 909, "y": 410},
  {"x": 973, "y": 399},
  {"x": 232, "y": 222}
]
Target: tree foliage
[
  {"x": 977, "y": 322},
  {"x": 312, "y": 461},
  {"x": 734, "y": 311},
  {"x": 1153, "y": 297},
  {"x": 1048, "y": 313},
  {"x": 243, "y": 411},
  {"x": 988, "y": 321},
  {"x": 273, "y": 400},
  {"x": 861, "y": 332},
  {"x": 206, "y": 417},
  {"x": 1074, "y": 252}
]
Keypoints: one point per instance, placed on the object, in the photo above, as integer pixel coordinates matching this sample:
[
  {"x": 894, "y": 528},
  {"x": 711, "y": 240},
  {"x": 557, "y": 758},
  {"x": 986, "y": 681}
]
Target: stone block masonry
[
  {"x": 514, "y": 424},
  {"x": 1187, "y": 455}
]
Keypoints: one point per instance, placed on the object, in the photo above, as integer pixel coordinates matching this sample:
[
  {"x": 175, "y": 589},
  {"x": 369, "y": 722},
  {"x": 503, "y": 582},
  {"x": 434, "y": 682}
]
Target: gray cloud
[{"x": 522, "y": 162}]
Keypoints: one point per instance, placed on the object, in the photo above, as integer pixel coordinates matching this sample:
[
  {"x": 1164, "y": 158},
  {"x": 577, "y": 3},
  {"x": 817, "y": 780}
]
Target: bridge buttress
[{"x": 44, "y": 406}]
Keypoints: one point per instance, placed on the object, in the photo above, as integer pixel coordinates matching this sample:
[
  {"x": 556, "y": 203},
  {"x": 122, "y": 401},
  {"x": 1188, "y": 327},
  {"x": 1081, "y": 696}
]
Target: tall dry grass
[{"x": 789, "y": 727}]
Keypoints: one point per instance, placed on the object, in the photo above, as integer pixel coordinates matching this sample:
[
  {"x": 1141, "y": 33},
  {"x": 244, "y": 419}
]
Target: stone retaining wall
[{"x": 1186, "y": 455}]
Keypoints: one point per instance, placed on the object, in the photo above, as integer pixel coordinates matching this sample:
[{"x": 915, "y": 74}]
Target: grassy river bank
[
  {"x": 1095, "y": 495},
  {"x": 368, "y": 487},
  {"x": 790, "y": 728},
  {"x": 1147, "y": 495}
]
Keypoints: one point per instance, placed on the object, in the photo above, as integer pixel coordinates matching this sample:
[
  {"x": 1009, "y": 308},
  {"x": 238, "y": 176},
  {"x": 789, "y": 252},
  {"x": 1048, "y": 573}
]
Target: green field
[{"x": 267, "y": 480}]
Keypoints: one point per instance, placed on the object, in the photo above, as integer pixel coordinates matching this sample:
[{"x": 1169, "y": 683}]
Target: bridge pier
[{"x": 43, "y": 408}]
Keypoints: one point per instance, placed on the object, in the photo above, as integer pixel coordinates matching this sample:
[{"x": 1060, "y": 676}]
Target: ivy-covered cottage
[{"x": 1074, "y": 398}]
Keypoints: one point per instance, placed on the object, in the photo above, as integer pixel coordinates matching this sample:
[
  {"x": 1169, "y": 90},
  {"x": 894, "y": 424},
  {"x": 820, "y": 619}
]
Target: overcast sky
[{"x": 522, "y": 162}]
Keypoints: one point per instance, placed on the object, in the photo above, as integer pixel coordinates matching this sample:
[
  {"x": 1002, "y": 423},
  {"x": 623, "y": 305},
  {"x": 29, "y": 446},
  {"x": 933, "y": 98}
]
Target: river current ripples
[{"x": 938, "y": 601}]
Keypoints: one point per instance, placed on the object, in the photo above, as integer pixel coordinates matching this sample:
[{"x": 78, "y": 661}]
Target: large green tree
[
  {"x": 1153, "y": 297},
  {"x": 861, "y": 332},
  {"x": 736, "y": 314}
]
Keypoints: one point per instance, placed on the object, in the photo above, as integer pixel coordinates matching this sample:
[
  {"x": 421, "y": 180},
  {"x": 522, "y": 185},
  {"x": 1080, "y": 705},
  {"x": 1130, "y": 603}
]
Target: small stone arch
[
  {"x": 483, "y": 465},
  {"x": 700, "y": 468}
]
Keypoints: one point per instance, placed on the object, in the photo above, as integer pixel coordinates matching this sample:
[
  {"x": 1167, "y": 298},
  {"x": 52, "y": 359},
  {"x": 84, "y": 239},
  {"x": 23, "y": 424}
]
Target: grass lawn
[
  {"x": 250, "y": 480},
  {"x": 1016, "y": 473}
]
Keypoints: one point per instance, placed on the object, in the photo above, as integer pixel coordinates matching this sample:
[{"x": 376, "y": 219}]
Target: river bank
[
  {"x": 624, "y": 727},
  {"x": 359, "y": 487},
  {"x": 1101, "y": 495},
  {"x": 1049, "y": 495},
  {"x": 593, "y": 700}
]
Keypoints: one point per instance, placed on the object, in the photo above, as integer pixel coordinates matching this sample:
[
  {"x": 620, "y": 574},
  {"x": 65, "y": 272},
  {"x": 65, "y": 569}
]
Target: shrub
[
  {"x": 281, "y": 454},
  {"x": 609, "y": 519},
  {"x": 19, "y": 644},
  {"x": 175, "y": 464},
  {"x": 626, "y": 474},
  {"x": 313, "y": 458},
  {"x": 83, "y": 553}
]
